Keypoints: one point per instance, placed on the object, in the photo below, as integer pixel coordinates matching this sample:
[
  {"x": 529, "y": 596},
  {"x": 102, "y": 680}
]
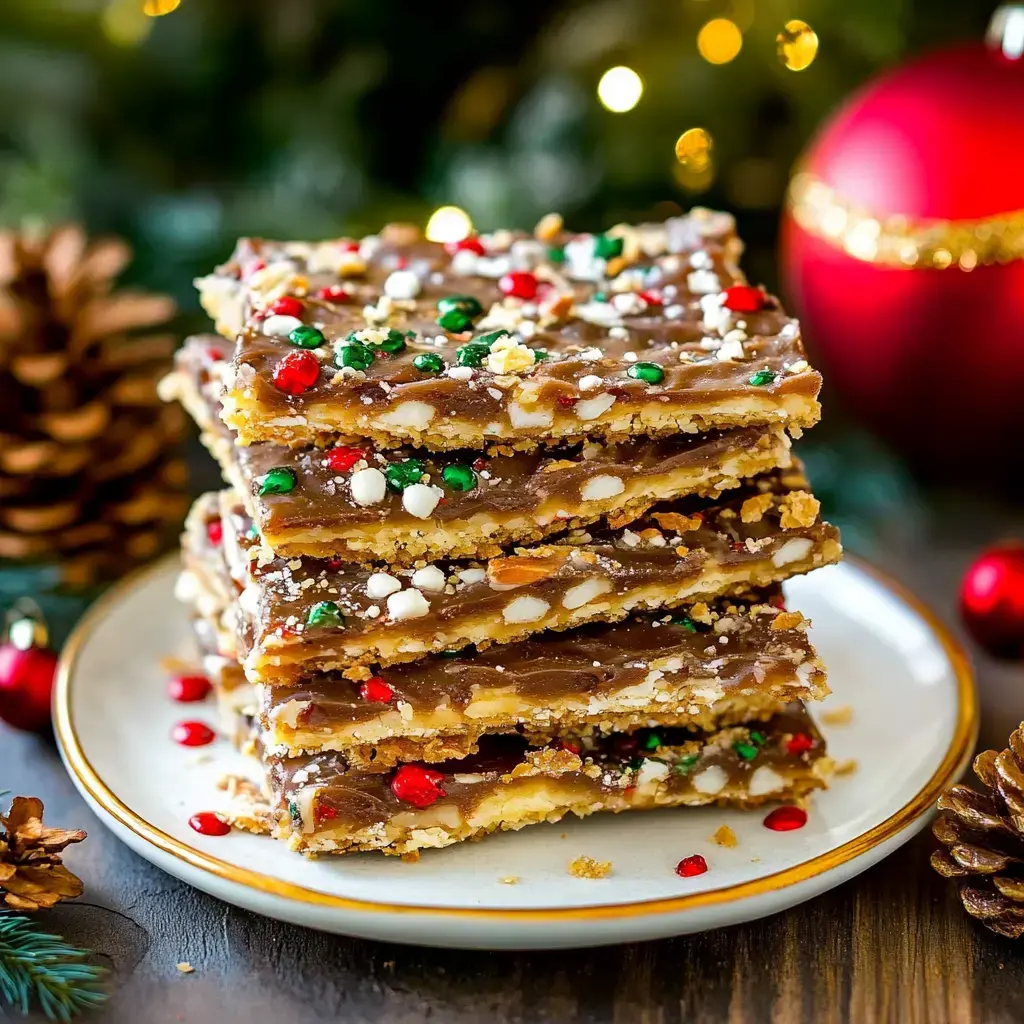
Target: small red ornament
[
  {"x": 250, "y": 267},
  {"x": 27, "y": 668},
  {"x": 799, "y": 743},
  {"x": 786, "y": 819},
  {"x": 334, "y": 293},
  {"x": 472, "y": 244},
  {"x": 215, "y": 531},
  {"x": 297, "y": 373},
  {"x": 518, "y": 284},
  {"x": 341, "y": 459},
  {"x": 189, "y": 689},
  {"x": 688, "y": 867},
  {"x": 193, "y": 734},
  {"x": 992, "y": 600},
  {"x": 417, "y": 786},
  {"x": 209, "y": 823},
  {"x": 652, "y": 297},
  {"x": 287, "y": 305},
  {"x": 741, "y": 298},
  {"x": 377, "y": 691}
]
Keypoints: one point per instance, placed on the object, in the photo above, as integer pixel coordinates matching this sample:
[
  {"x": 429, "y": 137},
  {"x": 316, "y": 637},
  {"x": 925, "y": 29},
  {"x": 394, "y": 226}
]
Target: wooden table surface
[{"x": 890, "y": 945}]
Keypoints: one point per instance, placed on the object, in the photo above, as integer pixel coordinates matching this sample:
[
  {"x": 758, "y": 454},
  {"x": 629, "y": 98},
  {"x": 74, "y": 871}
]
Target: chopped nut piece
[
  {"x": 799, "y": 508},
  {"x": 787, "y": 620},
  {"x": 701, "y": 613},
  {"x": 847, "y": 767},
  {"x": 510, "y": 880},
  {"x": 838, "y": 716},
  {"x": 725, "y": 836},
  {"x": 548, "y": 227},
  {"x": 677, "y": 522},
  {"x": 587, "y": 867},
  {"x": 411, "y": 857},
  {"x": 519, "y": 570},
  {"x": 185, "y": 967},
  {"x": 753, "y": 509}
]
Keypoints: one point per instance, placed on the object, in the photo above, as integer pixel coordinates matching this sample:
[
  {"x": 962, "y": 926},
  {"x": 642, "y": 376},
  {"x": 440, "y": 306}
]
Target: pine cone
[
  {"x": 88, "y": 471},
  {"x": 32, "y": 876},
  {"x": 983, "y": 833}
]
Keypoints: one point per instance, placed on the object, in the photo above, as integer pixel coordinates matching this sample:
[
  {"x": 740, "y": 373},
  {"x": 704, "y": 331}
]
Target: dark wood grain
[{"x": 890, "y": 946}]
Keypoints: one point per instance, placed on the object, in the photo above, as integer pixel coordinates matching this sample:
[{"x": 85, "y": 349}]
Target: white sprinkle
[
  {"x": 524, "y": 609},
  {"x": 380, "y": 584},
  {"x": 651, "y": 771},
  {"x": 703, "y": 282},
  {"x": 278, "y": 326},
  {"x": 368, "y": 486},
  {"x": 402, "y": 284},
  {"x": 407, "y": 604},
  {"x": 429, "y": 578},
  {"x": 420, "y": 500},
  {"x": 372, "y": 612},
  {"x": 459, "y": 372},
  {"x": 591, "y": 382},
  {"x": 599, "y": 487}
]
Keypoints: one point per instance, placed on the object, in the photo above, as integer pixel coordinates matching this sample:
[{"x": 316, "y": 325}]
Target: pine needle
[{"x": 35, "y": 965}]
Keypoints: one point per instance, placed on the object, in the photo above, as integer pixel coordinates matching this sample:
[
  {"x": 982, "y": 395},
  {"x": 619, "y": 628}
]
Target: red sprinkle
[
  {"x": 741, "y": 298},
  {"x": 207, "y": 823},
  {"x": 287, "y": 305},
  {"x": 417, "y": 786},
  {"x": 690, "y": 866},
  {"x": 341, "y": 458},
  {"x": 472, "y": 243},
  {"x": 215, "y": 531},
  {"x": 652, "y": 298},
  {"x": 799, "y": 743},
  {"x": 324, "y": 812},
  {"x": 566, "y": 400},
  {"x": 480, "y": 464},
  {"x": 250, "y": 268},
  {"x": 297, "y": 372},
  {"x": 519, "y": 284},
  {"x": 193, "y": 734},
  {"x": 786, "y": 819},
  {"x": 214, "y": 355},
  {"x": 377, "y": 691},
  {"x": 189, "y": 689},
  {"x": 334, "y": 293},
  {"x": 566, "y": 745}
]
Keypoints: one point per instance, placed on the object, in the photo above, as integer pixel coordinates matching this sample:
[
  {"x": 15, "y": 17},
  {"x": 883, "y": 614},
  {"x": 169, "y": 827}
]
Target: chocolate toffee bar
[
  {"x": 505, "y": 339},
  {"x": 733, "y": 663},
  {"x": 403, "y": 504},
  {"x": 299, "y": 616},
  {"x": 325, "y": 806}
]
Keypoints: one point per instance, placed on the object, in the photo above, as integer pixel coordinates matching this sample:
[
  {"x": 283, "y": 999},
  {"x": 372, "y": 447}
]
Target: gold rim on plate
[{"x": 955, "y": 760}]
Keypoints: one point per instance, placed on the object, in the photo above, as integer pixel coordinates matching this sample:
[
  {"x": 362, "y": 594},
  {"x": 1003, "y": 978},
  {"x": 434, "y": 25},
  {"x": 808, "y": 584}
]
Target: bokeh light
[
  {"x": 620, "y": 89},
  {"x": 158, "y": 8},
  {"x": 448, "y": 224},
  {"x": 694, "y": 170},
  {"x": 797, "y": 44},
  {"x": 124, "y": 23},
  {"x": 719, "y": 41}
]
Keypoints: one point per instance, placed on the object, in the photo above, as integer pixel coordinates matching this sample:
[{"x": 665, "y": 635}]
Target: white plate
[{"x": 912, "y": 732}]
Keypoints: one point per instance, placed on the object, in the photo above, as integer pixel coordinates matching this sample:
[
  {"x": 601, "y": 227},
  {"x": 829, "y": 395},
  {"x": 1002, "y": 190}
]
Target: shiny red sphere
[
  {"x": 189, "y": 689},
  {"x": 992, "y": 600},
  {"x": 297, "y": 373},
  {"x": 785, "y": 819},
  {"x": 341, "y": 458},
  {"x": 208, "y": 823},
  {"x": 193, "y": 734},
  {"x": 417, "y": 786},
  {"x": 518, "y": 284},
  {"x": 376, "y": 691},
  {"x": 26, "y": 685},
  {"x": 940, "y": 138},
  {"x": 689, "y": 867},
  {"x": 286, "y": 305}
]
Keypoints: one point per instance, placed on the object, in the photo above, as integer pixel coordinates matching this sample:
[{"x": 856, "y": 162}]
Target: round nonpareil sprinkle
[
  {"x": 325, "y": 613},
  {"x": 688, "y": 867},
  {"x": 649, "y": 373},
  {"x": 280, "y": 480},
  {"x": 786, "y": 819}
]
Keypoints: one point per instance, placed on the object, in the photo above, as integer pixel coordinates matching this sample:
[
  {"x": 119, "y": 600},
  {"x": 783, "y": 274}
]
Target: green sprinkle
[
  {"x": 394, "y": 342},
  {"x": 762, "y": 378},
  {"x": 758, "y": 737},
  {"x": 464, "y": 304},
  {"x": 428, "y": 362},
  {"x": 652, "y": 742},
  {"x": 600, "y": 297},
  {"x": 253, "y": 532},
  {"x": 607, "y": 247},
  {"x": 490, "y": 339},
  {"x": 649, "y": 373},
  {"x": 354, "y": 355},
  {"x": 472, "y": 354},
  {"x": 686, "y": 622},
  {"x": 539, "y": 355},
  {"x": 459, "y": 478},
  {"x": 454, "y": 321},
  {"x": 306, "y": 336},
  {"x": 280, "y": 480},
  {"x": 452, "y": 654},
  {"x": 404, "y": 474},
  {"x": 556, "y": 254},
  {"x": 294, "y": 813},
  {"x": 325, "y": 613},
  {"x": 684, "y": 764},
  {"x": 746, "y": 750}
]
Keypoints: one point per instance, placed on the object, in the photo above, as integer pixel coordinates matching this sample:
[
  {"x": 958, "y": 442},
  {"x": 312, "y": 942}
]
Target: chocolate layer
[
  {"x": 599, "y": 308},
  {"x": 325, "y": 806}
]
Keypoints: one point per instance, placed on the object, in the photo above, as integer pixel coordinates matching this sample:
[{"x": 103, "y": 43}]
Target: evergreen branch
[{"x": 36, "y": 964}]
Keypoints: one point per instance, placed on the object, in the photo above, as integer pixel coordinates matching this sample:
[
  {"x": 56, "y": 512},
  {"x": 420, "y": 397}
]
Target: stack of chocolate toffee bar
[{"x": 506, "y": 529}]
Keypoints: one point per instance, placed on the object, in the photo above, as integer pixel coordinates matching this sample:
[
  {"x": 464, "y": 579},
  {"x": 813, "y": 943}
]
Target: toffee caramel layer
[
  {"x": 304, "y": 615},
  {"x": 325, "y": 807},
  {"x": 475, "y": 503},
  {"x": 641, "y": 330}
]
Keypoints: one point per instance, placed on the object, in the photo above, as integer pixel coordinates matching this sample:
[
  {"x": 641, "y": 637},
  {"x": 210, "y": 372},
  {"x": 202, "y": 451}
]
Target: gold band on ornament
[{"x": 899, "y": 242}]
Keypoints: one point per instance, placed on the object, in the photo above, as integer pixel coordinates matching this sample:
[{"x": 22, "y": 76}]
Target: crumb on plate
[{"x": 587, "y": 867}]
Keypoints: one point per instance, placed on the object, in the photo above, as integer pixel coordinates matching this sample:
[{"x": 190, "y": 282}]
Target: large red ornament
[
  {"x": 27, "y": 668},
  {"x": 919, "y": 323},
  {"x": 992, "y": 600}
]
